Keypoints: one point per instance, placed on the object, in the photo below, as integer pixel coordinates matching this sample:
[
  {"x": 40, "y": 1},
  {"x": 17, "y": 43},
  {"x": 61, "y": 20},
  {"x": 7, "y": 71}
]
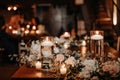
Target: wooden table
[{"x": 27, "y": 73}]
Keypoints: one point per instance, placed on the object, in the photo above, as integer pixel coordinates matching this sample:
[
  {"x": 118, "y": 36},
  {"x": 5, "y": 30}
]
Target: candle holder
[
  {"x": 63, "y": 69},
  {"x": 38, "y": 65},
  {"x": 65, "y": 35},
  {"x": 97, "y": 43},
  {"x": 83, "y": 49},
  {"x": 47, "y": 52}
]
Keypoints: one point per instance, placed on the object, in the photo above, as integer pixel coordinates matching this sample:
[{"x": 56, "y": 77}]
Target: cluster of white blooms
[
  {"x": 59, "y": 57},
  {"x": 90, "y": 66},
  {"x": 35, "y": 50},
  {"x": 113, "y": 67},
  {"x": 71, "y": 61}
]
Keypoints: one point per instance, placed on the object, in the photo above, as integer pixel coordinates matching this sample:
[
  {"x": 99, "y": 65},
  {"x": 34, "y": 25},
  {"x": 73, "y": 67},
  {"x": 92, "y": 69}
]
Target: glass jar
[{"x": 97, "y": 43}]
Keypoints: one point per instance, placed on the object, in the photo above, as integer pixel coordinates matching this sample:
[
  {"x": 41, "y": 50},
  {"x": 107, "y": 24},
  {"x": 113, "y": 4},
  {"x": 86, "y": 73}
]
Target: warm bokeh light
[
  {"x": 22, "y": 29},
  {"x": 34, "y": 27},
  {"x": 15, "y": 32},
  {"x": 32, "y": 32},
  {"x": 15, "y": 8},
  {"x": 27, "y": 31},
  {"x": 37, "y": 32},
  {"x": 28, "y": 26},
  {"x": 10, "y": 27},
  {"x": 9, "y": 8},
  {"x": 115, "y": 14}
]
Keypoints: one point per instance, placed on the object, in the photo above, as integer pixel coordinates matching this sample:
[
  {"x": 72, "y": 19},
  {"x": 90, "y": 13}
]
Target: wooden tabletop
[{"x": 27, "y": 73}]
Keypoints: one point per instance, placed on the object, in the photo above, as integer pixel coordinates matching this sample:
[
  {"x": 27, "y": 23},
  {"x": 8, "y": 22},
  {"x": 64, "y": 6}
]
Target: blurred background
[{"x": 27, "y": 20}]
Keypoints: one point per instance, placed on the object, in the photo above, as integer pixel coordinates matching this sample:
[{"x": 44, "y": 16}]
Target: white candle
[
  {"x": 47, "y": 42},
  {"x": 97, "y": 36},
  {"x": 66, "y": 34},
  {"x": 83, "y": 43},
  {"x": 38, "y": 65},
  {"x": 63, "y": 69}
]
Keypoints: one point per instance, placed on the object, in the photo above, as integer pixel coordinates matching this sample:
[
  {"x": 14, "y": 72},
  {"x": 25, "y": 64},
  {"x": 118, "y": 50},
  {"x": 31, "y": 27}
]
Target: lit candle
[
  {"x": 97, "y": 36},
  {"x": 15, "y": 32},
  {"x": 47, "y": 42},
  {"x": 37, "y": 32},
  {"x": 63, "y": 69},
  {"x": 28, "y": 26},
  {"x": 26, "y": 32},
  {"x": 34, "y": 27},
  {"x": 83, "y": 49},
  {"x": 83, "y": 43},
  {"x": 32, "y": 32},
  {"x": 66, "y": 35},
  {"x": 22, "y": 29},
  {"x": 38, "y": 65},
  {"x": 47, "y": 47},
  {"x": 10, "y": 27}
]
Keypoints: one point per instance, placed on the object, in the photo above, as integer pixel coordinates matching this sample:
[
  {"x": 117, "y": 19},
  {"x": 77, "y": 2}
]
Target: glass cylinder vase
[
  {"x": 97, "y": 43},
  {"x": 47, "y": 52}
]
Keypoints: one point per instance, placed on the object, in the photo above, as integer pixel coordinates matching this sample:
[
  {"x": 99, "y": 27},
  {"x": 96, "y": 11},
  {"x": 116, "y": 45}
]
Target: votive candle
[
  {"x": 63, "y": 69},
  {"x": 38, "y": 65}
]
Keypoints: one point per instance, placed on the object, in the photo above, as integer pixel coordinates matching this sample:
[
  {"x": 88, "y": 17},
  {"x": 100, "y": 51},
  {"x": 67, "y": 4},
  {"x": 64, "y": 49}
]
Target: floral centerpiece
[{"x": 68, "y": 52}]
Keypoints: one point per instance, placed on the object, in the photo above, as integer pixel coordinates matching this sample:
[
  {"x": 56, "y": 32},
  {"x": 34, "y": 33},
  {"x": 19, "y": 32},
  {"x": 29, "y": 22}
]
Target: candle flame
[{"x": 97, "y": 32}]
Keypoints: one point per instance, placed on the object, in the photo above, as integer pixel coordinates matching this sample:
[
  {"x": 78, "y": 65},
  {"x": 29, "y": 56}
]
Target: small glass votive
[
  {"x": 38, "y": 65},
  {"x": 47, "y": 46},
  {"x": 63, "y": 69},
  {"x": 65, "y": 35}
]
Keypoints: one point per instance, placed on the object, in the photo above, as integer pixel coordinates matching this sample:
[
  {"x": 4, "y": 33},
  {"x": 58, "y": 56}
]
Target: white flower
[
  {"x": 56, "y": 50},
  {"x": 31, "y": 58},
  {"x": 90, "y": 64},
  {"x": 113, "y": 67},
  {"x": 35, "y": 47},
  {"x": 84, "y": 74},
  {"x": 71, "y": 61},
  {"x": 118, "y": 59},
  {"x": 59, "y": 57},
  {"x": 59, "y": 40}
]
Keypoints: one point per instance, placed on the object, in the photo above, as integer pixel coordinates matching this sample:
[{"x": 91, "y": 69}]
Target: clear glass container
[
  {"x": 97, "y": 43},
  {"x": 47, "y": 52}
]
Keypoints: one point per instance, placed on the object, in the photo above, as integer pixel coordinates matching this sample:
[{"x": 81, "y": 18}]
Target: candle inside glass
[
  {"x": 97, "y": 36},
  {"x": 47, "y": 42},
  {"x": 97, "y": 43},
  {"x": 83, "y": 49},
  {"x": 63, "y": 69},
  {"x": 38, "y": 65}
]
